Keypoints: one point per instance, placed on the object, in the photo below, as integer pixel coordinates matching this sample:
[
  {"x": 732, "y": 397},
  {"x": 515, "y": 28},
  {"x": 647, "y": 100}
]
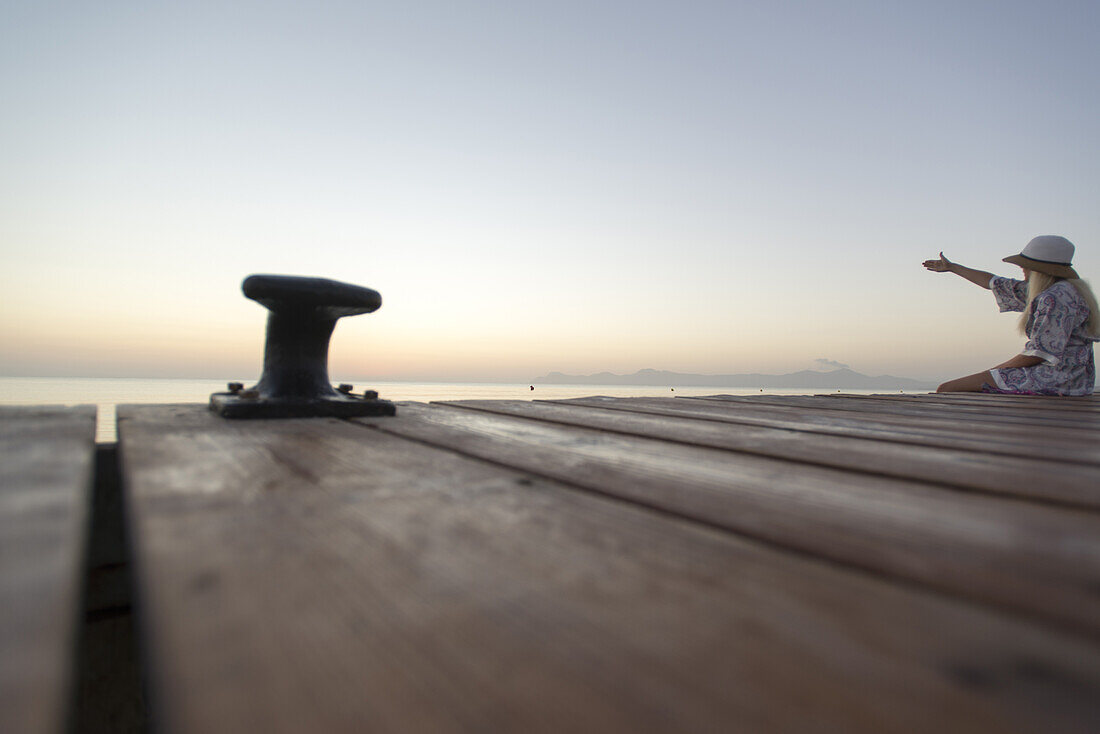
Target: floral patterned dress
[{"x": 1056, "y": 333}]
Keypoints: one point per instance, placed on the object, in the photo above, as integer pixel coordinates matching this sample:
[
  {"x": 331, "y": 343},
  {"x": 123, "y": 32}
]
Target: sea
[{"x": 108, "y": 392}]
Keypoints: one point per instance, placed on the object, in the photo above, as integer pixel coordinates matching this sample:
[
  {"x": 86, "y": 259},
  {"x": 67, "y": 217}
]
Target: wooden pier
[{"x": 837, "y": 563}]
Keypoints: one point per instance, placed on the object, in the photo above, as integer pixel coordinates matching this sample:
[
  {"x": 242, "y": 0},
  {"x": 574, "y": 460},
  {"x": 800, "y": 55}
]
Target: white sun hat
[{"x": 1048, "y": 253}]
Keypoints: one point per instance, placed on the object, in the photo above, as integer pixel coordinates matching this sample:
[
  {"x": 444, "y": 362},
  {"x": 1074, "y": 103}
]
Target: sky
[{"x": 708, "y": 187}]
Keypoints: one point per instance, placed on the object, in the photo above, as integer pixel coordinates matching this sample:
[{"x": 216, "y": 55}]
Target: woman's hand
[{"x": 943, "y": 265}]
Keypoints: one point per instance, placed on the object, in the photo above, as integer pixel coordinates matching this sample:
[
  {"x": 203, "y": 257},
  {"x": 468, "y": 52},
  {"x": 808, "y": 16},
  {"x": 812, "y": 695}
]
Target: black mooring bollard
[{"x": 295, "y": 383}]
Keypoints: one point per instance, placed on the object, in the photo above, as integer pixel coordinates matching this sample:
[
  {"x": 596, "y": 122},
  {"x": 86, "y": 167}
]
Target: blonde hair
[{"x": 1038, "y": 282}]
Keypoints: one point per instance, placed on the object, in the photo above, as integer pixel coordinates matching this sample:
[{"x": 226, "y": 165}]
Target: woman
[{"x": 1060, "y": 319}]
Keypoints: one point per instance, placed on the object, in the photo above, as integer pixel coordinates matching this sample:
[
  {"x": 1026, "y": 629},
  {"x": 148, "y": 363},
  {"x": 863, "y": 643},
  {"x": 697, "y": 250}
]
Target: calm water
[{"x": 107, "y": 392}]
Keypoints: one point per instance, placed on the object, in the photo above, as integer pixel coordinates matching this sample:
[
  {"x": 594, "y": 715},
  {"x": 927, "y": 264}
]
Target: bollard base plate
[{"x": 231, "y": 405}]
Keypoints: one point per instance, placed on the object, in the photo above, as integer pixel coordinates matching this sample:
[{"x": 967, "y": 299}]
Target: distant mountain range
[{"x": 838, "y": 379}]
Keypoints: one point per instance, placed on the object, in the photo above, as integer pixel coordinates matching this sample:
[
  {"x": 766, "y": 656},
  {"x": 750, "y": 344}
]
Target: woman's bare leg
[{"x": 970, "y": 383}]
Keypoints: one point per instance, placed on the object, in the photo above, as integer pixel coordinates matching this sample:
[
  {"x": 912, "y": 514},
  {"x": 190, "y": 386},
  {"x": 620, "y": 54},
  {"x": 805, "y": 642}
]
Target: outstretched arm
[{"x": 943, "y": 265}]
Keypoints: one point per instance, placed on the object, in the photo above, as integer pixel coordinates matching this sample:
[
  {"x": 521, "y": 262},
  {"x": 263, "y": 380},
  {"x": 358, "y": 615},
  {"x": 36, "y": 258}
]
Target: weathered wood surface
[
  {"x": 611, "y": 566},
  {"x": 1076, "y": 414},
  {"x": 1011, "y": 403},
  {"x": 1062, "y": 444},
  {"x": 686, "y": 422},
  {"x": 997, "y": 549},
  {"x": 45, "y": 478}
]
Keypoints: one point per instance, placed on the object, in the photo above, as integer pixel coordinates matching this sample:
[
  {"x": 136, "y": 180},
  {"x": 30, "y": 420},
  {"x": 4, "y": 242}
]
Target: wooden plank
[
  {"x": 980, "y": 418},
  {"x": 45, "y": 478},
  {"x": 312, "y": 575},
  {"x": 1026, "y": 407},
  {"x": 1062, "y": 444},
  {"x": 1051, "y": 401},
  {"x": 1039, "y": 560},
  {"x": 989, "y": 420},
  {"x": 1065, "y": 446},
  {"x": 1031, "y": 406},
  {"x": 1073, "y": 485}
]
